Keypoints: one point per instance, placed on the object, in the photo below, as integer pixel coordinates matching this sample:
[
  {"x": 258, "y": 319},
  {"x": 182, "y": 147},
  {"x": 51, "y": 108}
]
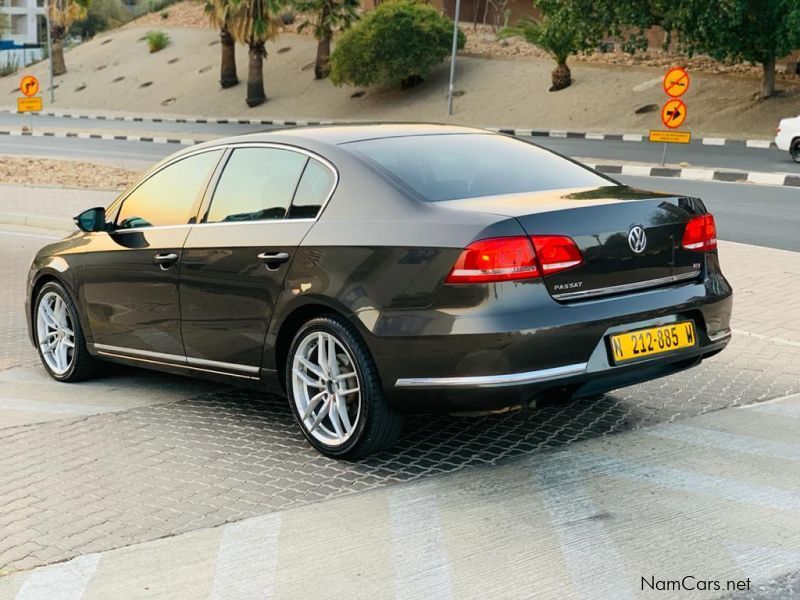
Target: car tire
[
  {"x": 338, "y": 421},
  {"x": 59, "y": 336},
  {"x": 794, "y": 150}
]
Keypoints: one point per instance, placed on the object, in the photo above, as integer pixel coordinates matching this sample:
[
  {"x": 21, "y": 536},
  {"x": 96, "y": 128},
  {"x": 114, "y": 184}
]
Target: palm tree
[
  {"x": 328, "y": 16},
  {"x": 63, "y": 13},
  {"x": 557, "y": 35},
  {"x": 220, "y": 12},
  {"x": 254, "y": 23}
]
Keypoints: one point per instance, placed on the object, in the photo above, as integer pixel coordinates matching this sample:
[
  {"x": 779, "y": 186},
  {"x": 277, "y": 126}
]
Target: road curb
[
  {"x": 37, "y": 222},
  {"x": 555, "y": 133},
  {"x": 695, "y": 174},
  {"x": 690, "y": 173}
]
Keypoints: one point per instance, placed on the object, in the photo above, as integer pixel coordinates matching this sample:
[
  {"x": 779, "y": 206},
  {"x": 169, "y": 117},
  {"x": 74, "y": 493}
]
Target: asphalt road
[
  {"x": 729, "y": 156},
  {"x": 753, "y": 214}
]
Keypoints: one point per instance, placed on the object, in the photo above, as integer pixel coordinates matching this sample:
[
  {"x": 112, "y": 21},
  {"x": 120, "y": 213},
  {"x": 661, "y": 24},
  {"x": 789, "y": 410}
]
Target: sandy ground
[
  {"x": 115, "y": 72},
  {"x": 68, "y": 173}
]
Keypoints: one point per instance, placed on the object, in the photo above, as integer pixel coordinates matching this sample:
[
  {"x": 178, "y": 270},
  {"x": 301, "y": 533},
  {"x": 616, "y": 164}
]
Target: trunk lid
[{"x": 607, "y": 224}]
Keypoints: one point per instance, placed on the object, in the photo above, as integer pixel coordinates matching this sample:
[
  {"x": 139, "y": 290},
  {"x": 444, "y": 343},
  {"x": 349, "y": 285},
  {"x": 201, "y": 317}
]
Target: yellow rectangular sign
[
  {"x": 29, "y": 104},
  {"x": 670, "y": 137}
]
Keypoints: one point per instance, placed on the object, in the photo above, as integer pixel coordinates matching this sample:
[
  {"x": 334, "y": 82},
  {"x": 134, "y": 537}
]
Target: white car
[{"x": 787, "y": 137}]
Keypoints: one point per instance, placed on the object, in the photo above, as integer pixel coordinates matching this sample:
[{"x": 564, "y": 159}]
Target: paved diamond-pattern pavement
[{"x": 78, "y": 485}]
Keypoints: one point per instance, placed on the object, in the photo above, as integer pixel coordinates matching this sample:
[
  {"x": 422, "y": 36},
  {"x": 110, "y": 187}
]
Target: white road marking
[
  {"x": 420, "y": 561},
  {"x": 701, "y": 174},
  {"x": 723, "y": 440},
  {"x": 62, "y": 581},
  {"x": 760, "y": 563},
  {"x": 695, "y": 483},
  {"x": 759, "y": 336},
  {"x": 246, "y": 559},
  {"x": 758, "y": 144},
  {"x": 777, "y": 409},
  {"x": 54, "y": 407},
  {"x": 595, "y": 136},
  {"x": 636, "y": 170},
  {"x": 31, "y": 235},
  {"x": 595, "y": 566},
  {"x": 767, "y": 178},
  {"x": 713, "y": 141},
  {"x": 632, "y": 137}
]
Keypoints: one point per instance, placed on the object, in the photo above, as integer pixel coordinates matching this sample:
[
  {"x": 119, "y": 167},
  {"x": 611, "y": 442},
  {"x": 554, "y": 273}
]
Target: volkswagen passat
[{"x": 369, "y": 271}]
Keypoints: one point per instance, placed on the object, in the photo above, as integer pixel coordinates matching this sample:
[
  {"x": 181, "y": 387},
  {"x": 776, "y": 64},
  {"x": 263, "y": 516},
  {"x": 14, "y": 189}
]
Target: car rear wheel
[
  {"x": 794, "y": 150},
  {"x": 335, "y": 393},
  {"x": 59, "y": 337}
]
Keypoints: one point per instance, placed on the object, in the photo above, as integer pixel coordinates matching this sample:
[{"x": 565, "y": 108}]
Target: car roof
[{"x": 342, "y": 134}]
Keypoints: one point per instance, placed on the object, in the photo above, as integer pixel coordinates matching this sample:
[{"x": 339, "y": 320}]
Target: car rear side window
[
  {"x": 257, "y": 184},
  {"x": 312, "y": 191},
  {"x": 169, "y": 196},
  {"x": 454, "y": 166}
]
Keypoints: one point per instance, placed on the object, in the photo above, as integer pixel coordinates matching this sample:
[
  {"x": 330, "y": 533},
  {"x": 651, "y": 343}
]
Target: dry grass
[{"x": 66, "y": 173}]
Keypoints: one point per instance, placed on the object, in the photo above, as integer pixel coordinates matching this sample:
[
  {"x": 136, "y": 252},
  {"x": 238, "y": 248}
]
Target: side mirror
[{"x": 93, "y": 219}]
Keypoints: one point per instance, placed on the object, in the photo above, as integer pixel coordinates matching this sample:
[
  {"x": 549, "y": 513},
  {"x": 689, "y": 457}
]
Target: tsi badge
[{"x": 637, "y": 239}]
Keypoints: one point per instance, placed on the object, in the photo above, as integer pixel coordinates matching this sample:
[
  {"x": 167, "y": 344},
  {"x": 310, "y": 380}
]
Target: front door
[
  {"x": 235, "y": 261},
  {"x": 129, "y": 274}
]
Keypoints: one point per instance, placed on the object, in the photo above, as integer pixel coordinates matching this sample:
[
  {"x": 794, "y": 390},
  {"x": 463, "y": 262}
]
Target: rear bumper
[{"x": 547, "y": 347}]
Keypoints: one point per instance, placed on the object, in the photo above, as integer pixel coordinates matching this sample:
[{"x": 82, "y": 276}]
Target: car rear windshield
[{"x": 452, "y": 166}]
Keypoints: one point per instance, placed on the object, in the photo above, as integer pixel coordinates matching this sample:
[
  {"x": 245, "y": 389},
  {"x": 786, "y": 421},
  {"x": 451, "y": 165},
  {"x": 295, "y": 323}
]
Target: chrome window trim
[
  {"x": 278, "y": 146},
  {"x": 231, "y": 146},
  {"x": 627, "y": 287},
  {"x": 177, "y": 360},
  {"x": 485, "y": 381}
]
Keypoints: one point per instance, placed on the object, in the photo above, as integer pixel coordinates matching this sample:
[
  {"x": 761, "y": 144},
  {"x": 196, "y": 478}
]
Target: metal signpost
[
  {"x": 673, "y": 113},
  {"x": 50, "y": 55},
  {"x": 453, "y": 58},
  {"x": 29, "y": 86}
]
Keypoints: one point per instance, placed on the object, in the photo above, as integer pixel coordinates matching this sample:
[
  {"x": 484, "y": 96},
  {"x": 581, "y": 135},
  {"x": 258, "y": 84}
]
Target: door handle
[
  {"x": 165, "y": 260},
  {"x": 273, "y": 259}
]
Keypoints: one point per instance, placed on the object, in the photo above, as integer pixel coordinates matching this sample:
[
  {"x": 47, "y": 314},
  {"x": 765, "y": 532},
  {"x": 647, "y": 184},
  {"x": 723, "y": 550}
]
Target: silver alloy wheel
[
  {"x": 326, "y": 388},
  {"x": 55, "y": 333}
]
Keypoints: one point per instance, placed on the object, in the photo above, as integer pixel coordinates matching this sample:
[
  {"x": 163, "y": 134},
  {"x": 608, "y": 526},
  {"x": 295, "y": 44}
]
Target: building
[{"x": 26, "y": 24}]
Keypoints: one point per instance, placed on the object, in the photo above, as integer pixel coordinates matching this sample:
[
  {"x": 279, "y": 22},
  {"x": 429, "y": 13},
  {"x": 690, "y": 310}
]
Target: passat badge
[{"x": 637, "y": 239}]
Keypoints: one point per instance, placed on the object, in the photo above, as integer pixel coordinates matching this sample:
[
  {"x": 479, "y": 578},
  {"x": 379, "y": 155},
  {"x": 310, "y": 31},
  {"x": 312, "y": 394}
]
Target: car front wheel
[
  {"x": 794, "y": 150},
  {"x": 335, "y": 393},
  {"x": 59, "y": 337}
]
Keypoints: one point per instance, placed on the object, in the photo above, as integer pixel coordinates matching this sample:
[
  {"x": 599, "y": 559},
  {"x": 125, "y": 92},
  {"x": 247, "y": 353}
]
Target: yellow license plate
[{"x": 654, "y": 340}]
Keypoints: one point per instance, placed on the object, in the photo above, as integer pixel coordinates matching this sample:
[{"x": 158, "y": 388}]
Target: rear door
[
  {"x": 129, "y": 274},
  {"x": 235, "y": 261}
]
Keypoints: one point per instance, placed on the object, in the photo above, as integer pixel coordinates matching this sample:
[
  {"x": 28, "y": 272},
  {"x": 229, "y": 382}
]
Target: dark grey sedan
[{"x": 369, "y": 271}]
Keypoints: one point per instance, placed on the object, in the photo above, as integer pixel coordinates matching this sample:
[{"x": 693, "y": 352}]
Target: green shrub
[
  {"x": 156, "y": 40},
  {"x": 10, "y": 66},
  {"x": 165, "y": 14},
  {"x": 100, "y": 16},
  {"x": 398, "y": 42}
]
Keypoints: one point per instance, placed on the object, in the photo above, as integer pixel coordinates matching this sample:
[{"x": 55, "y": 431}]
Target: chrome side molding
[
  {"x": 492, "y": 380},
  {"x": 626, "y": 287}
]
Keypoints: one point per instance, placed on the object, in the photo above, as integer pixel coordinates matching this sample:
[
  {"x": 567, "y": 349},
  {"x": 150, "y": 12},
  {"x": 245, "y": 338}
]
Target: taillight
[
  {"x": 514, "y": 258},
  {"x": 700, "y": 234},
  {"x": 495, "y": 259},
  {"x": 556, "y": 253}
]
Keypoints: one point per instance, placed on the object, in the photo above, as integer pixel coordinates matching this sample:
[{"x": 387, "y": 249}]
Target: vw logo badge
[{"x": 637, "y": 239}]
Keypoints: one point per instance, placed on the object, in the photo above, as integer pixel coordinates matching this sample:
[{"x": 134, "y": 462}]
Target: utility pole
[
  {"x": 453, "y": 58},
  {"x": 49, "y": 51}
]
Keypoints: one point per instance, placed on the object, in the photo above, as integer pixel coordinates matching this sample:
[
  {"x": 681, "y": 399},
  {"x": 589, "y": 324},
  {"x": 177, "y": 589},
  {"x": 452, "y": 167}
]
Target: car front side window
[{"x": 169, "y": 196}]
